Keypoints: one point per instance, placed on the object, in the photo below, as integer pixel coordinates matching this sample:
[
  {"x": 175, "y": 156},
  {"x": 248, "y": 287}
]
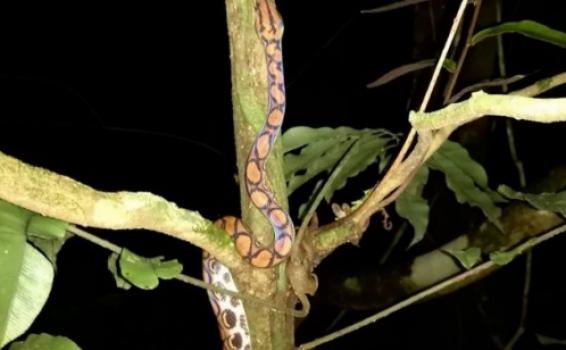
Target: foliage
[{"x": 44, "y": 342}]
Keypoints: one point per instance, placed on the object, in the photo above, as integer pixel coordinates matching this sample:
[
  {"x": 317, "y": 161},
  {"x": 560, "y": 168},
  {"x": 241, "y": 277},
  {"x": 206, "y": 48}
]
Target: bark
[{"x": 270, "y": 331}]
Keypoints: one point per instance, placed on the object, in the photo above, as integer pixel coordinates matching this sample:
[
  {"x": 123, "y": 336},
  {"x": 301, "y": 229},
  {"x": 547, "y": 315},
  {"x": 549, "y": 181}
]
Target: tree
[{"x": 64, "y": 199}]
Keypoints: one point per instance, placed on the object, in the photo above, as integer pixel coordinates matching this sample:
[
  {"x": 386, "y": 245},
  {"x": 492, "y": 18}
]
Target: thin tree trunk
[{"x": 269, "y": 330}]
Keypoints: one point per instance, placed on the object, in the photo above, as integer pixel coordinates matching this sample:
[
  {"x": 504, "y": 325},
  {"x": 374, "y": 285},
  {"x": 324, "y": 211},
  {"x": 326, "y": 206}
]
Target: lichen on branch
[
  {"x": 58, "y": 196},
  {"x": 540, "y": 110}
]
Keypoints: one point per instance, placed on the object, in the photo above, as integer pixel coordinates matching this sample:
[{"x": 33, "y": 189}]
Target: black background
[{"x": 137, "y": 97}]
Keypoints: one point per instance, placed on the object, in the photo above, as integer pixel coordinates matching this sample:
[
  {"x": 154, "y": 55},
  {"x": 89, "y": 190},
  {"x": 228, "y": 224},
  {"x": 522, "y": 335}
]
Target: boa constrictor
[{"x": 228, "y": 310}]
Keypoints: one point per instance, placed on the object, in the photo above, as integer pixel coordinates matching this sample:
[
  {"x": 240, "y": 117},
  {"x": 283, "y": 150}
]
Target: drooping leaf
[
  {"x": 502, "y": 258},
  {"x": 44, "y": 342},
  {"x": 398, "y": 72},
  {"x": 322, "y": 149},
  {"x": 112, "y": 265},
  {"x": 26, "y": 275},
  {"x": 466, "y": 178},
  {"x": 145, "y": 273},
  {"x": 528, "y": 28},
  {"x": 33, "y": 288},
  {"x": 468, "y": 258},
  {"x": 13, "y": 224},
  {"x": 300, "y": 136},
  {"x": 365, "y": 152},
  {"x": 553, "y": 202},
  {"x": 413, "y": 207},
  {"x": 315, "y": 159},
  {"x": 310, "y": 202}
]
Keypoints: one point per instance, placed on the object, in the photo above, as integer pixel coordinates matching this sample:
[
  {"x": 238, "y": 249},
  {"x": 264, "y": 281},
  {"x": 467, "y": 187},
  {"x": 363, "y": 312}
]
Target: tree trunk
[{"x": 269, "y": 330}]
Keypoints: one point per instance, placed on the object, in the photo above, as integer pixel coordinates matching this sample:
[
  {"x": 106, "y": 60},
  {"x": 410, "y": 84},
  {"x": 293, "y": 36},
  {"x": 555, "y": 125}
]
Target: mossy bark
[{"x": 270, "y": 331}]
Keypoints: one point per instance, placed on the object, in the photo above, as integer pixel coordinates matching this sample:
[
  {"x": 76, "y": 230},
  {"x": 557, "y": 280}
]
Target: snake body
[{"x": 229, "y": 311}]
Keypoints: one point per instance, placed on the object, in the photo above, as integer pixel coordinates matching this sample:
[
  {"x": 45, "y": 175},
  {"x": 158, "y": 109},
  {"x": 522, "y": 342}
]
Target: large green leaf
[
  {"x": 527, "y": 28},
  {"x": 466, "y": 178},
  {"x": 13, "y": 224},
  {"x": 322, "y": 149},
  {"x": 413, "y": 207},
  {"x": 145, "y": 273},
  {"x": 45, "y": 342},
  {"x": 554, "y": 202},
  {"x": 33, "y": 287},
  {"x": 26, "y": 275}
]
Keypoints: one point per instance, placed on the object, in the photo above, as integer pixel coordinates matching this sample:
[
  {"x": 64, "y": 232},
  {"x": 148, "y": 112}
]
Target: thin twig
[
  {"x": 452, "y": 82},
  {"x": 446, "y": 285},
  {"x": 508, "y": 123},
  {"x": 393, "y": 6},
  {"x": 503, "y": 82},
  {"x": 184, "y": 278},
  {"x": 431, "y": 85},
  {"x": 525, "y": 303}
]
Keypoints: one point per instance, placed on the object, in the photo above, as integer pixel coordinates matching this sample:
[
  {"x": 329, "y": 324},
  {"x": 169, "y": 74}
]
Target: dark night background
[{"x": 137, "y": 97}]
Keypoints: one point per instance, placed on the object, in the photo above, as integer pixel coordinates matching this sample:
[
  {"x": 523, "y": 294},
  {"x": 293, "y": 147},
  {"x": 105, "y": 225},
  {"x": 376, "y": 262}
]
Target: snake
[{"x": 229, "y": 311}]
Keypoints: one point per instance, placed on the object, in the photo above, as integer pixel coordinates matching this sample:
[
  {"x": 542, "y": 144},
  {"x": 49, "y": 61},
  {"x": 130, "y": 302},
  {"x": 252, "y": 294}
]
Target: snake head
[{"x": 269, "y": 24}]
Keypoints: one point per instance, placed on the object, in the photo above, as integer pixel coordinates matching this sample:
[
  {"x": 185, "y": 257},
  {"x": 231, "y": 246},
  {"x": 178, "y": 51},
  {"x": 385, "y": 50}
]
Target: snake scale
[{"x": 229, "y": 311}]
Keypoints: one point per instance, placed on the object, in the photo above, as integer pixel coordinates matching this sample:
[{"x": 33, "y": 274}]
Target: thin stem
[
  {"x": 431, "y": 85},
  {"x": 508, "y": 123},
  {"x": 393, "y": 6},
  {"x": 525, "y": 303},
  {"x": 446, "y": 285},
  {"x": 513, "y": 152},
  {"x": 181, "y": 277},
  {"x": 522, "y": 182},
  {"x": 320, "y": 195},
  {"x": 452, "y": 82}
]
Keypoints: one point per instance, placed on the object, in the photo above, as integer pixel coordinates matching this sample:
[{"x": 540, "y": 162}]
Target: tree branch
[
  {"x": 63, "y": 198},
  {"x": 540, "y": 110},
  {"x": 351, "y": 227}
]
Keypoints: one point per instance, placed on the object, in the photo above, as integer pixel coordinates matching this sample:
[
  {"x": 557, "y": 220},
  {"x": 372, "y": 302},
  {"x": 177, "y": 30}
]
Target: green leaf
[
  {"x": 45, "y": 342},
  {"x": 365, "y": 152},
  {"x": 300, "y": 136},
  {"x": 47, "y": 228},
  {"x": 322, "y": 149},
  {"x": 466, "y": 178},
  {"x": 48, "y": 235},
  {"x": 49, "y": 247},
  {"x": 503, "y": 258},
  {"x": 143, "y": 272},
  {"x": 26, "y": 275},
  {"x": 468, "y": 258},
  {"x": 13, "y": 224},
  {"x": 32, "y": 290},
  {"x": 553, "y": 202},
  {"x": 112, "y": 265},
  {"x": 530, "y": 29},
  {"x": 315, "y": 159},
  {"x": 413, "y": 207}
]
